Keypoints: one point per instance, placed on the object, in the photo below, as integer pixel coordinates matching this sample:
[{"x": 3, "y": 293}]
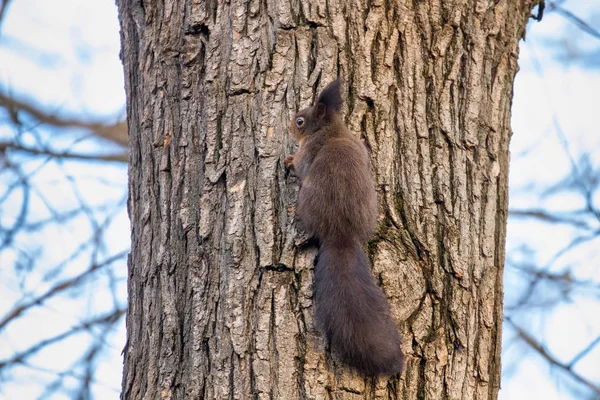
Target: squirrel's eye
[{"x": 300, "y": 121}]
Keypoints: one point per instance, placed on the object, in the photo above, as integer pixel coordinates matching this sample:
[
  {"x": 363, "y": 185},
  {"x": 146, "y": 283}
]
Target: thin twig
[
  {"x": 584, "y": 352},
  {"x": 546, "y": 216},
  {"x": 539, "y": 348},
  {"x": 60, "y": 287},
  {"x": 569, "y": 16},
  {"x": 109, "y": 318}
]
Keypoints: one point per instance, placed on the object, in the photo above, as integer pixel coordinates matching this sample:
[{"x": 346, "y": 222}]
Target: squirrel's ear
[
  {"x": 319, "y": 111},
  {"x": 330, "y": 97}
]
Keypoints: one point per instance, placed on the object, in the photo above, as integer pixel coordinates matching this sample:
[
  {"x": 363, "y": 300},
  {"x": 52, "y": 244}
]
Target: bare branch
[
  {"x": 569, "y": 16},
  {"x": 3, "y": 7},
  {"x": 106, "y": 319},
  {"x": 60, "y": 287},
  {"x": 116, "y": 133},
  {"x": 579, "y": 240},
  {"x": 121, "y": 157},
  {"x": 539, "y": 348},
  {"x": 564, "y": 283},
  {"x": 546, "y": 216},
  {"x": 70, "y": 372},
  {"x": 8, "y": 234},
  {"x": 540, "y": 11}
]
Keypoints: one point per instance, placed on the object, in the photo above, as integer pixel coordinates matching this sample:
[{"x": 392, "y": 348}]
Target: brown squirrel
[{"x": 338, "y": 205}]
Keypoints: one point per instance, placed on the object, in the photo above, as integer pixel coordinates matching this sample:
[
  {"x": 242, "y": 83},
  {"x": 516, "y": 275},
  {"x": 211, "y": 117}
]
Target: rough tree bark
[{"x": 220, "y": 283}]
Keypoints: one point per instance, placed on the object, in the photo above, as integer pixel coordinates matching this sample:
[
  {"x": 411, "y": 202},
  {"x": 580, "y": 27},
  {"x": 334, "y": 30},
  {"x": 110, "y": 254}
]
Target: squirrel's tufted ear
[{"x": 330, "y": 97}]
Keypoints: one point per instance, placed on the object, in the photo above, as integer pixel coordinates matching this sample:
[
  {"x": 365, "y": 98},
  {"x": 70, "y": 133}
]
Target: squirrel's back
[{"x": 338, "y": 197}]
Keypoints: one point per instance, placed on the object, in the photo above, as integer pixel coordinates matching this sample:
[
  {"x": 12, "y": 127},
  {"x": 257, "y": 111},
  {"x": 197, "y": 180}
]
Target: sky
[
  {"x": 64, "y": 54},
  {"x": 554, "y": 100}
]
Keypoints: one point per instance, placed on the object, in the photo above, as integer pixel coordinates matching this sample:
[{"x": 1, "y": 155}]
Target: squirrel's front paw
[{"x": 289, "y": 161}]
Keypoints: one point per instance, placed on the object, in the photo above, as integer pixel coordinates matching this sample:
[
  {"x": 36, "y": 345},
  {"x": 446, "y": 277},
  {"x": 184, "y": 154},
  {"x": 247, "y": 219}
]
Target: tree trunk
[{"x": 220, "y": 277}]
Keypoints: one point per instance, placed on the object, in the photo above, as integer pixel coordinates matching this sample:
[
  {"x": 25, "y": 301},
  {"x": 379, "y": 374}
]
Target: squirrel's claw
[{"x": 289, "y": 161}]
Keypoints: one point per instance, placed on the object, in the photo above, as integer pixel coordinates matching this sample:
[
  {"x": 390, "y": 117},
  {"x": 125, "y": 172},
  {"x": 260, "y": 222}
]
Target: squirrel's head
[{"x": 311, "y": 119}]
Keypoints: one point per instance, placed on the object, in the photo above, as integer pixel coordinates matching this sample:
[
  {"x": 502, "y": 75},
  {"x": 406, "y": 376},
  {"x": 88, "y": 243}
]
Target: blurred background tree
[
  {"x": 64, "y": 232},
  {"x": 552, "y": 281}
]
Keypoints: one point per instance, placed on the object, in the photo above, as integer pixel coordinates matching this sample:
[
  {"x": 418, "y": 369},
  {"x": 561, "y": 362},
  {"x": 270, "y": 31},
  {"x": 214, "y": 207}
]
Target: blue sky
[{"x": 555, "y": 100}]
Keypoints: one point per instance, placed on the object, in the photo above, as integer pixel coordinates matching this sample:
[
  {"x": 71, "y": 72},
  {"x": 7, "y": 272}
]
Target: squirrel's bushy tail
[{"x": 353, "y": 312}]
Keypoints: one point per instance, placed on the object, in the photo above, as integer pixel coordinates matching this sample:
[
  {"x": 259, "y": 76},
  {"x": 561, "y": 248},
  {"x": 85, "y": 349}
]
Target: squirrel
[{"x": 337, "y": 204}]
